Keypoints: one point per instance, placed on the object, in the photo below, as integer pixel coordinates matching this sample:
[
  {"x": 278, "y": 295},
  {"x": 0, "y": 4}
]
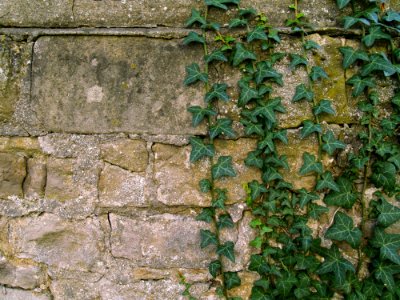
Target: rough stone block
[
  {"x": 35, "y": 181},
  {"x": 159, "y": 241},
  {"x": 12, "y": 174},
  {"x": 20, "y": 144},
  {"x": 17, "y": 294},
  {"x": 118, "y": 187},
  {"x": 113, "y": 84},
  {"x": 73, "y": 245},
  {"x": 128, "y": 154}
]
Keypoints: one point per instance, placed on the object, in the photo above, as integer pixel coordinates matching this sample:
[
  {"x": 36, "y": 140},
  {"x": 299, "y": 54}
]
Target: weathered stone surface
[
  {"x": 20, "y": 144},
  {"x": 35, "y": 181},
  {"x": 59, "y": 243},
  {"x": 177, "y": 179},
  {"x": 12, "y": 174},
  {"x": 159, "y": 241},
  {"x": 113, "y": 84},
  {"x": 128, "y": 154},
  {"x": 14, "y": 294},
  {"x": 118, "y": 187},
  {"x": 244, "y": 290}
]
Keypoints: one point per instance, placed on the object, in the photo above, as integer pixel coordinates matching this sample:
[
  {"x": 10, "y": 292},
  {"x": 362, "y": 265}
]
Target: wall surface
[{"x": 98, "y": 198}]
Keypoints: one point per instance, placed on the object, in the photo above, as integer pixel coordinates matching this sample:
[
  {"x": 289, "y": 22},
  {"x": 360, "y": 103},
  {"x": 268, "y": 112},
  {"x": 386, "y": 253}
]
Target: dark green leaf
[
  {"x": 199, "y": 113},
  {"x": 222, "y": 126},
  {"x": 258, "y": 33},
  {"x": 231, "y": 280},
  {"x": 351, "y": 21},
  {"x": 237, "y": 23},
  {"x": 277, "y": 162},
  {"x": 306, "y": 197},
  {"x": 199, "y": 149},
  {"x": 253, "y": 160},
  {"x": 246, "y": 93},
  {"x": 265, "y": 70},
  {"x": 316, "y": 210},
  {"x": 286, "y": 283},
  {"x": 268, "y": 109},
  {"x": 350, "y": 56},
  {"x": 342, "y": 3},
  {"x": 302, "y": 92},
  {"x": 375, "y": 33},
  {"x": 256, "y": 189},
  {"x": 308, "y": 45},
  {"x": 219, "y": 198},
  {"x": 205, "y": 185},
  {"x": 214, "y": 268},
  {"x": 308, "y": 128},
  {"x": 227, "y": 249},
  {"x": 389, "y": 213},
  {"x": 225, "y": 221},
  {"x": 384, "y": 175},
  {"x": 327, "y": 182},
  {"x": 216, "y": 3},
  {"x": 346, "y": 197},
  {"x": 297, "y": 60},
  {"x": 207, "y": 238},
  {"x": 384, "y": 272},
  {"x": 193, "y": 37},
  {"x": 271, "y": 174},
  {"x": 310, "y": 164},
  {"x": 378, "y": 62},
  {"x": 343, "y": 230},
  {"x": 251, "y": 128},
  {"x": 212, "y": 25},
  {"x": 324, "y": 106},
  {"x": 274, "y": 35},
  {"x": 215, "y": 55},
  {"x": 195, "y": 18},
  {"x": 242, "y": 54},
  {"x": 257, "y": 293},
  {"x": 282, "y": 136},
  {"x": 193, "y": 74},
  {"x": 318, "y": 73},
  {"x": 264, "y": 89},
  {"x": 359, "y": 84},
  {"x": 388, "y": 244},
  {"x": 223, "y": 167},
  {"x": 218, "y": 91},
  {"x": 392, "y": 16},
  {"x": 258, "y": 264},
  {"x": 206, "y": 215},
  {"x": 331, "y": 143},
  {"x": 247, "y": 11}
]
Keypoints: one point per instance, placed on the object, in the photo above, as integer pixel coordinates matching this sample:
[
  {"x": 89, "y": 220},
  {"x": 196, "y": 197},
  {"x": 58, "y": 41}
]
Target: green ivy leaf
[
  {"x": 267, "y": 144},
  {"x": 342, "y": 3},
  {"x": 257, "y": 293},
  {"x": 318, "y": 73},
  {"x": 219, "y": 198},
  {"x": 199, "y": 114},
  {"x": 258, "y": 33},
  {"x": 251, "y": 128},
  {"x": 216, "y": 3},
  {"x": 336, "y": 264},
  {"x": 278, "y": 162},
  {"x": 193, "y": 37},
  {"x": 351, "y": 21},
  {"x": 193, "y": 74},
  {"x": 343, "y": 230},
  {"x": 258, "y": 264},
  {"x": 297, "y": 60},
  {"x": 212, "y": 25},
  {"x": 350, "y": 56},
  {"x": 195, "y": 18},
  {"x": 223, "y": 168},
  {"x": 306, "y": 197},
  {"x": 286, "y": 283},
  {"x": 215, "y": 268},
  {"x": 392, "y": 16},
  {"x": 384, "y": 272},
  {"x": 302, "y": 92},
  {"x": 242, "y": 54},
  {"x": 327, "y": 182},
  {"x": 331, "y": 143},
  {"x": 264, "y": 89},
  {"x": 253, "y": 160},
  {"x": 324, "y": 106},
  {"x": 388, "y": 245},
  {"x": 346, "y": 196},
  {"x": 268, "y": 109},
  {"x": 316, "y": 210},
  {"x": 247, "y": 12},
  {"x": 205, "y": 185},
  {"x": 231, "y": 280},
  {"x": 384, "y": 175},
  {"x": 256, "y": 189},
  {"x": 199, "y": 149},
  {"x": 265, "y": 70},
  {"x": 271, "y": 174},
  {"x": 308, "y": 128},
  {"x": 282, "y": 136},
  {"x": 310, "y": 164},
  {"x": 218, "y": 91},
  {"x": 308, "y": 45},
  {"x": 222, "y": 126},
  {"x": 274, "y": 35},
  {"x": 389, "y": 213},
  {"x": 375, "y": 33},
  {"x": 217, "y": 55},
  {"x": 379, "y": 62},
  {"x": 206, "y": 215},
  {"x": 225, "y": 221},
  {"x": 359, "y": 84},
  {"x": 237, "y": 23},
  {"x": 207, "y": 238},
  {"x": 246, "y": 93},
  {"x": 227, "y": 249}
]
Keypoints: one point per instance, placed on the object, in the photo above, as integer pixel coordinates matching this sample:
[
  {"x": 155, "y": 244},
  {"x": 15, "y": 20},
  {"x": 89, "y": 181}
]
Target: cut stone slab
[
  {"x": 35, "y": 182},
  {"x": 114, "y": 84},
  {"x": 17, "y": 294},
  {"x": 160, "y": 241},
  {"x": 12, "y": 174}
]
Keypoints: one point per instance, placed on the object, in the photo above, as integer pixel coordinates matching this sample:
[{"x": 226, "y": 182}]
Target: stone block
[
  {"x": 160, "y": 241},
  {"x": 118, "y": 187},
  {"x": 26, "y": 145},
  {"x": 59, "y": 243},
  {"x": 12, "y": 174},
  {"x": 113, "y": 84},
  {"x": 127, "y": 154},
  {"x": 17, "y": 294},
  {"x": 35, "y": 181}
]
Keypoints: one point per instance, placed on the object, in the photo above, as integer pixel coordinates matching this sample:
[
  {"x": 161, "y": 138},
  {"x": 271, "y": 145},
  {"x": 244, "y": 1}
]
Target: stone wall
[{"x": 98, "y": 198}]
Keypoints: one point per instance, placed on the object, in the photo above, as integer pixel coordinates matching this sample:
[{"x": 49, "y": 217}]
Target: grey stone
[
  {"x": 160, "y": 241},
  {"x": 35, "y": 181},
  {"x": 12, "y": 174},
  {"x": 16, "y": 294},
  {"x": 113, "y": 84}
]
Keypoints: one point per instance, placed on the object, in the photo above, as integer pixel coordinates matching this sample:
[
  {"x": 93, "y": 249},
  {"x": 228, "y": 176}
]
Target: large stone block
[
  {"x": 113, "y": 84},
  {"x": 35, "y": 181},
  {"x": 17, "y": 294},
  {"x": 12, "y": 174},
  {"x": 159, "y": 241}
]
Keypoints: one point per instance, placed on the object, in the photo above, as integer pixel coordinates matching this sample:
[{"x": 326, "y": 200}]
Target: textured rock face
[{"x": 12, "y": 174}]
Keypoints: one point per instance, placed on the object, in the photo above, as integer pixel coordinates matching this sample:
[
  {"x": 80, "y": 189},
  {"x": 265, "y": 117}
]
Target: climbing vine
[{"x": 293, "y": 260}]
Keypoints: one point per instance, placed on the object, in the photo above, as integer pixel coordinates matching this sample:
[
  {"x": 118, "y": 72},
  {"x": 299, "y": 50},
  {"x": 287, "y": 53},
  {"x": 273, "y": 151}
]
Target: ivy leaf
[
  {"x": 278, "y": 162},
  {"x": 207, "y": 238},
  {"x": 282, "y": 136},
  {"x": 195, "y": 18},
  {"x": 212, "y": 25},
  {"x": 193, "y": 74},
  {"x": 350, "y": 56},
  {"x": 216, "y": 3},
  {"x": 308, "y": 128},
  {"x": 343, "y": 230},
  {"x": 231, "y": 280},
  {"x": 267, "y": 110},
  {"x": 215, "y": 55},
  {"x": 264, "y": 89},
  {"x": 247, "y": 12},
  {"x": 256, "y": 189},
  {"x": 206, "y": 215},
  {"x": 223, "y": 168},
  {"x": 331, "y": 143},
  {"x": 242, "y": 54},
  {"x": 257, "y": 293},
  {"x": 220, "y": 198},
  {"x": 346, "y": 196},
  {"x": 384, "y": 272},
  {"x": 384, "y": 175},
  {"x": 227, "y": 249},
  {"x": 359, "y": 84},
  {"x": 193, "y": 37},
  {"x": 310, "y": 165},
  {"x": 336, "y": 264},
  {"x": 302, "y": 92},
  {"x": 342, "y": 3},
  {"x": 318, "y": 73},
  {"x": 316, "y": 210},
  {"x": 297, "y": 60},
  {"x": 308, "y": 45},
  {"x": 251, "y": 128},
  {"x": 222, "y": 126},
  {"x": 324, "y": 106},
  {"x": 237, "y": 23},
  {"x": 214, "y": 268},
  {"x": 218, "y": 91},
  {"x": 225, "y": 221},
  {"x": 388, "y": 245},
  {"x": 271, "y": 174},
  {"x": 199, "y": 149},
  {"x": 253, "y": 160},
  {"x": 389, "y": 213},
  {"x": 258, "y": 264},
  {"x": 286, "y": 283},
  {"x": 378, "y": 62},
  {"x": 265, "y": 70},
  {"x": 274, "y": 35},
  {"x": 327, "y": 182},
  {"x": 375, "y": 33},
  {"x": 205, "y": 185},
  {"x": 350, "y": 21},
  {"x": 199, "y": 113},
  {"x": 306, "y": 197},
  {"x": 258, "y": 33},
  {"x": 246, "y": 93}
]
